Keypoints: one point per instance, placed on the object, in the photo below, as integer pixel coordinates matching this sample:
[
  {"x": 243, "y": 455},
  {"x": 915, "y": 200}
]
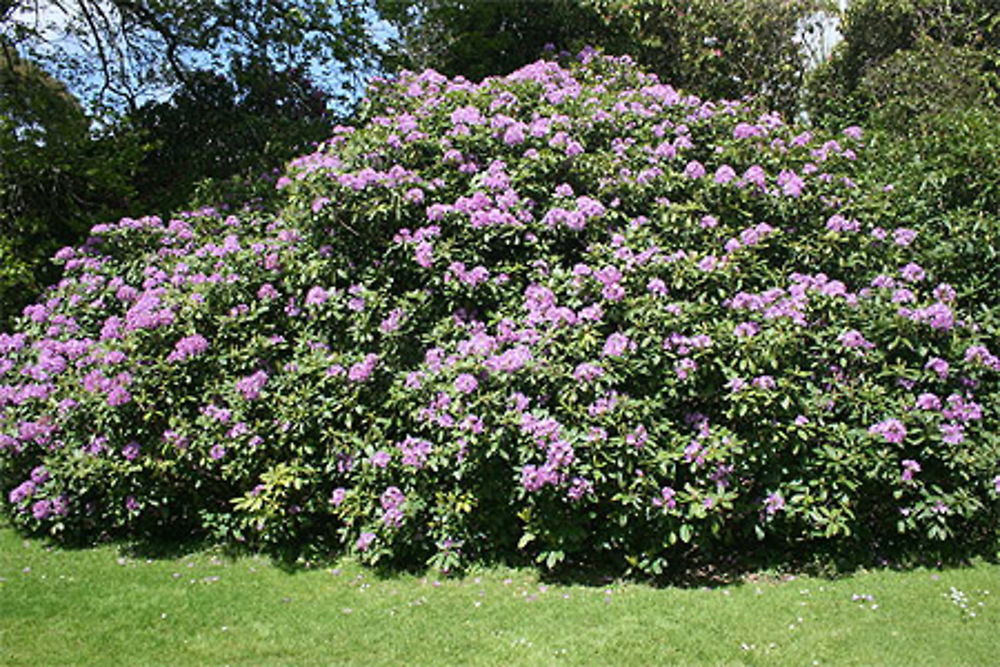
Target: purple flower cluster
[
  {"x": 249, "y": 387},
  {"x": 392, "y": 501},
  {"x": 773, "y": 503},
  {"x": 910, "y": 468},
  {"x": 892, "y": 430},
  {"x": 362, "y": 370},
  {"x": 854, "y": 339},
  {"x": 617, "y": 344},
  {"x": 188, "y": 347},
  {"x": 466, "y": 383},
  {"x": 415, "y": 451}
]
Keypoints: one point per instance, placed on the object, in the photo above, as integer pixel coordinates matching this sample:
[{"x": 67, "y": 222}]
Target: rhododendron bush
[{"x": 571, "y": 314}]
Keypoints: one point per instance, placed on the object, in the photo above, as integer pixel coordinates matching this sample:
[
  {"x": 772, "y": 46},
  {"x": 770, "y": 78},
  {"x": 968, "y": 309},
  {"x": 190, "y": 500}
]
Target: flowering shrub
[{"x": 570, "y": 313}]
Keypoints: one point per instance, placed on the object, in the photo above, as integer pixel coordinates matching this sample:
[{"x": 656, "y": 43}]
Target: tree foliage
[
  {"x": 479, "y": 39},
  {"x": 56, "y": 177},
  {"x": 123, "y": 52},
  {"x": 714, "y": 48},
  {"x": 912, "y": 56},
  {"x": 231, "y": 127},
  {"x": 722, "y": 48}
]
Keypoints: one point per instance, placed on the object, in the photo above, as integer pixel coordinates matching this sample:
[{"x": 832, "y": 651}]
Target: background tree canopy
[
  {"x": 121, "y": 53},
  {"x": 909, "y": 57},
  {"x": 56, "y": 176},
  {"x": 713, "y": 48},
  {"x": 479, "y": 39}
]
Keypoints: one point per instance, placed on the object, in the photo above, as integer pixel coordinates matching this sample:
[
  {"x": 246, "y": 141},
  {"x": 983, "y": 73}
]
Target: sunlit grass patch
[{"x": 98, "y": 606}]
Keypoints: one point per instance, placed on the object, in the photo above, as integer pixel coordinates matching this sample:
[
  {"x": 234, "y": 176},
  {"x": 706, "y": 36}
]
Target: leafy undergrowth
[
  {"x": 98, "y": 606},
  {"x": 571, "y": 316}
]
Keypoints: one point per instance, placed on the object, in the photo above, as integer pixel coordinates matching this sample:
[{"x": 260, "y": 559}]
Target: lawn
[{"x": 99, "y": 606}]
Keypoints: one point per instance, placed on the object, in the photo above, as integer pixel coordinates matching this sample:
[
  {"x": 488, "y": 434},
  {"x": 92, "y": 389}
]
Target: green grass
[{"x": 98, "y": 607}]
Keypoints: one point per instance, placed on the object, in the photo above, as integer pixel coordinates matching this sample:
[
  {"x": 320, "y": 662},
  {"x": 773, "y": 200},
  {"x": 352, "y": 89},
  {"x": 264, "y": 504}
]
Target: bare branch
[
  {"x": 149, "y": 19},
  {"x": 99, "y": 43}
]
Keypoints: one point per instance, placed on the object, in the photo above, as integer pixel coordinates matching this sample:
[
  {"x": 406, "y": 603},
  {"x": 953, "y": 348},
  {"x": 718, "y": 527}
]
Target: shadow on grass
[
  {"x": 763, "y": 562},
  {"x": 693, "y": 568}
]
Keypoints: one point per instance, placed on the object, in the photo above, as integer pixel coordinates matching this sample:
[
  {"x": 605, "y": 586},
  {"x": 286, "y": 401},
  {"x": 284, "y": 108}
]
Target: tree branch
[
  {"x": 99, "y": 43},
  {"x": 149, "y": 19}
]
